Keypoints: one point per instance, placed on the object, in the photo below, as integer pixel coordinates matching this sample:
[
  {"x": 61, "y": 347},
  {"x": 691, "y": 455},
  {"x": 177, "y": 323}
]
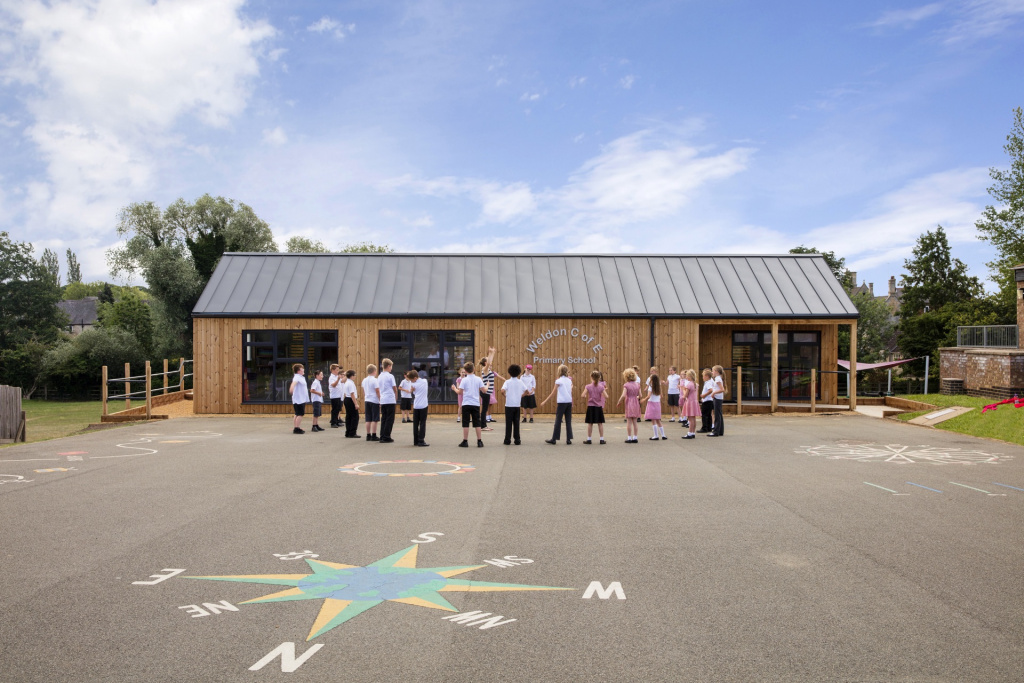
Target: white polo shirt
[
  {"x": 370, "y": 389},
  {"x": 386, "y": 384},
  {"x": 300, "y": 394},
  {"x": 471, "y": 386},
  {"x": 420, "y": 394},
  {"x": 514, "y": 389}
]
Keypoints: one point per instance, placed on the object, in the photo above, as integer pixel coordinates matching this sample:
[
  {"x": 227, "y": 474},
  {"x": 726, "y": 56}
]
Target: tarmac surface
[{"x": 817, "y": 548}]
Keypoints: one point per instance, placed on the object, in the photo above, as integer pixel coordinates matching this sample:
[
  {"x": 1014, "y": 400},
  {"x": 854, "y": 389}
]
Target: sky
[{"x": 656, "y": 127}]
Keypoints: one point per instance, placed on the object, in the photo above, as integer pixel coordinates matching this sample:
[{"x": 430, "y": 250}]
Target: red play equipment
[{"x": 1017, "y": 403}]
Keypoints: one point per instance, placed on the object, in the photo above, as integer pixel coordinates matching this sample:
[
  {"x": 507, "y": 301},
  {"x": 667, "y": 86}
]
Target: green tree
[
  {"x": 106, "y": 294},
  {"x": 1003, "y": 227},
  {"x": 28, "y": 297},
  {"x": 131, "y": 314},
  {"x": 366, "y": 248},
  {"x": 22, "y": 365},
  {"x": 50, "y": 265},
  {"x": 835, "y": 263},
  {"x": 876, "y": 331},
  {"x": 176, "y": 251},
  {"x": 305, "y": 245},
  {"x": 76, "y": 365},
  {"x": 934, "y": 278},
  {"x": 74, "y": 269}
]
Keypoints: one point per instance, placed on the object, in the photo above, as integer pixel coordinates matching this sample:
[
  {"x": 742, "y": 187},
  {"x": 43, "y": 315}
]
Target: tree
[
  {"x": 28, "y": 297},
  {"x": 76, "y": 365},
  {"x": 876, "y": 330},
  {"x": 305, "y": 245},
  {"x": 1003, "y": 227},
  {"x": 366, "y": 248},
  {"x": 836, "y": 264},
  {"x": 22, "y": 365},
  {"x": 74, "y": 270},
  {"x": 106, "y": 294},
  {"x": 131, "y": 314},
  {"x": 176, "y": 251},
  {"x": 50, "y": 265},
  {"x": 934, "y": 278}
]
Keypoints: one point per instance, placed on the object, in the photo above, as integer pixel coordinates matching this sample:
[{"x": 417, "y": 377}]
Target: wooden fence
[
  {"x": 12, "y": 417},
  {"x": 152, "y": 398}
]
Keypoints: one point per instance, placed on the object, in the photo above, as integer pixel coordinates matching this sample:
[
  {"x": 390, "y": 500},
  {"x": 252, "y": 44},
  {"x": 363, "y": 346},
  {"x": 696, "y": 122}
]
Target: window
[
  {"x": 268, "y": 356},
  {"x": 799, "y": 352},
  {"x": 435, "y": 355}
]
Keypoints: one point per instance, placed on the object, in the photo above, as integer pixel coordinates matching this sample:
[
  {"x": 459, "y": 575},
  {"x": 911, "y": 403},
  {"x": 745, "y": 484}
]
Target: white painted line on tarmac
[
  {"x": 881, "y": 487},
  {"x": 974, "y": 489}
]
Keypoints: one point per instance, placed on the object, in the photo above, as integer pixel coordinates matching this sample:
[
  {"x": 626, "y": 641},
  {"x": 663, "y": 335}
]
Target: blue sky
[{"x": 652, "y": 127}]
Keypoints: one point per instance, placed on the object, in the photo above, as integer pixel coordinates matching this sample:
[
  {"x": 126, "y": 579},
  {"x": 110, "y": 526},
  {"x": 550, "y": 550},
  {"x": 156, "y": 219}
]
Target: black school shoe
[
  {"x": 479, "y": 443},
  {"x": 464, "y": 444},
  {"x": 507, "y": 443},
  {"x": 296, "y": 430},
  {"x": 421, "y": 444},
  {"x": 518, "y": 442},
  {"x": 550, "y": 441}
]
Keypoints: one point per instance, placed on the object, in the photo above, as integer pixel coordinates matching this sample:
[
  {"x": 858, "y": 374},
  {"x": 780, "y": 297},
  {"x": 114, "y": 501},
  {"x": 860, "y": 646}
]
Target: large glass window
[
  {"x": 799, "y": 352},
  {"x": 435, "y": 355},
  {"x": 268, "y": 356}
]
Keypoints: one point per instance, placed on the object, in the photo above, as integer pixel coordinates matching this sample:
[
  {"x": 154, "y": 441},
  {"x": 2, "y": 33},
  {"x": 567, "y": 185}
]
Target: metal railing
[
  {"x": 145, "y": 379},
  {"x": 996, "y": 336}
]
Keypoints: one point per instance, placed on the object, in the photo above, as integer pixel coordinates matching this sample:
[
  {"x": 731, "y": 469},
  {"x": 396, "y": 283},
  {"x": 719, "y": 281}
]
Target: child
[
  {"x": 673, "y": 392},
  {"x": 563, "y": 387},
  {"x": 636, "y": 380},
  {"x": 718, "y": 376},
  {"x": 471, "y": 388},
  {"x": 651, "y": 373},
  {"x": 336, "y": 388},
  {"x": 371, "y": 399},
  {"x": 530, "y": 397},
  {"x": 691, "y": 403},
  {"x": 406, "y": 400},
  {"x": 596, "y": 392},
  {"x": 653, "y": 412},
  {"x": 513, "y": 389},
  {"x": 630, "y": 394},
  {"x": 300, "y": 395},
  {"x": 318, "y": 399},
  {"x": 458, "y": 381},
  {"x": 386, "y": 386},
  {"x": 351, "y": 406},
  {"x": 419, "y": 390},
  {"x": 707, "y": 402},
  {"x": 487, "y": 377}
]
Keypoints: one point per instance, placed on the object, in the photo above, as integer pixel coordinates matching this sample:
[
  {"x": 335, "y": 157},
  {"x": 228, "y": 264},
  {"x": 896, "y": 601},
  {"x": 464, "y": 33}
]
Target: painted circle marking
[
  {"x": 180, "y": 441},
  {"x": 357, "y": 468}
]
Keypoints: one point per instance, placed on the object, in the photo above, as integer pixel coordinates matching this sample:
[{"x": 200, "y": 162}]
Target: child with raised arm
[
  {"x": 300, "y": 395},
  {"x": 653, "y": 412},
  {"x": 563, "y": 387},
  {"x": 471, "y": 388},
  {"x": 530, "y": 397},
  {"x": 513, "y": 389},
  {"x": 487, "y": 376},
  {"x": 317, "y": 398},
  {"x": 596, "y": 392},
  {"x": 419, "y": 390},
  {"x": 631, "y": 395}
]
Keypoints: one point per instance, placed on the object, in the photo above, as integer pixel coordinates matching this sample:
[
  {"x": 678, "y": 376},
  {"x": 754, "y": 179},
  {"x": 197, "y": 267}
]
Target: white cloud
[
  {"x": 529, "y": 97},
  {"x": 326, "y": 24},
  {"x": 105, "y": 82},
  {"x": 905, "y": 18},
  {"x": 275, "y": 136},
  {"x": 577, "y": 81},
  {"x": 982, "y": 19},
  {"x": 579, "y": 138},
  {"x": 499, "y": 203},
  {"x": 626, "y": 82}
]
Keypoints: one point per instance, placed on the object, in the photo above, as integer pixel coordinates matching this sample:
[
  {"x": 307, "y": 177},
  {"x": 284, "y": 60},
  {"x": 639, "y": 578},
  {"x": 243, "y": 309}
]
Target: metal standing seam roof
[{"x": 516, "y": 285}]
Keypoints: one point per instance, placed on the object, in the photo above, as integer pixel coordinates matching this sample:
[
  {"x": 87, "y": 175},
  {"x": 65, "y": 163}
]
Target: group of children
[{"x": 476, "y": 393}]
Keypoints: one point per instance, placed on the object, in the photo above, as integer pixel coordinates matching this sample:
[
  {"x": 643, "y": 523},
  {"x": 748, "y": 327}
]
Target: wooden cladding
[{"x": 585, "y": 344}]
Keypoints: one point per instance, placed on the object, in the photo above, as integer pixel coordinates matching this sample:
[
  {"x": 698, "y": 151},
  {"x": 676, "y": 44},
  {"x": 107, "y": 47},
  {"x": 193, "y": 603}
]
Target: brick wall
[
  {"x": 985, "y": 372},
  {"x": 953, "y": 363}
]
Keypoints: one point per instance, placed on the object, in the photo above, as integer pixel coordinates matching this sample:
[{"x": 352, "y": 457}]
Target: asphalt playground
[{"x": 796, "y": 548}]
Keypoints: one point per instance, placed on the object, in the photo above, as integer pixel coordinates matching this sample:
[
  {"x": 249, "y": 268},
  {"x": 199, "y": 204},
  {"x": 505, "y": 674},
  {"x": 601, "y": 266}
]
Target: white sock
[
  {"x": 655, "y": 428},
  {"x": 662, "y": 430}
]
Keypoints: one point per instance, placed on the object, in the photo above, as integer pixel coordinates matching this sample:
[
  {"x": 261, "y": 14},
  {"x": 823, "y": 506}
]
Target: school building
[{"x": 777, "y": 317}]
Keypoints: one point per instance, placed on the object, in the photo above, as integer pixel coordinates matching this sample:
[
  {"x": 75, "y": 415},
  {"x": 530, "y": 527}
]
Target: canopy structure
[{"x": 876, "y": 366}]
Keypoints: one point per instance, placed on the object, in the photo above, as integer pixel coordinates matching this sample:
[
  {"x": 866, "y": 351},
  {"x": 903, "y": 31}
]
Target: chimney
[
  {"x": 871, "y": 288},
  {"x": 892, "y": 285},
  {"x": 853, "y": 277}
]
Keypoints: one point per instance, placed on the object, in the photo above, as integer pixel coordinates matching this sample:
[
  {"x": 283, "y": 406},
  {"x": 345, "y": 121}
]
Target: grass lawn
[
  {"x": 54, "y": 419},
  {"x": 1005, "y": 423}
]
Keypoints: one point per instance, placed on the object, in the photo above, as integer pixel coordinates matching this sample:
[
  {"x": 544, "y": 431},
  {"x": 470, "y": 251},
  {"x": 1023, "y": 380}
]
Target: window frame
[
  {"x": 446, "y": 339},
  {"x": 274, "y": 344}
]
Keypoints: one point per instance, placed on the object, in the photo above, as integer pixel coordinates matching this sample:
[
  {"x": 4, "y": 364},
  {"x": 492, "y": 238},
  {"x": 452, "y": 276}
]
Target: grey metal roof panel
[{"x": 487, "y": 285}]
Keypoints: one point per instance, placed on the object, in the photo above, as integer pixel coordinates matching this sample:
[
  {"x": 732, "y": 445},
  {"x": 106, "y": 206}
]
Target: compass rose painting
[
  {"x": 349, "y": 590},
  {"x": 905, "y": 455}
]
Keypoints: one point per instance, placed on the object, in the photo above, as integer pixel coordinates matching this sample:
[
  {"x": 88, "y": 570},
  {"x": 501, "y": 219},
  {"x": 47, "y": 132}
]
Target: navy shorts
[
  {"x": 372, "y": 411},
  {"x": 406, "y": 404},
  {"x": 470, "y": 414},
  {"x": 673, "y": 399},
  {"x": 318, "y": 406},
  {"x": 300, "y": 409}
]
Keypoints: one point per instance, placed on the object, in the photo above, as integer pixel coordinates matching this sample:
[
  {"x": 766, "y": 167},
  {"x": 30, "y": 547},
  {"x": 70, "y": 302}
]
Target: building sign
[{"x": 589, "y": 351}]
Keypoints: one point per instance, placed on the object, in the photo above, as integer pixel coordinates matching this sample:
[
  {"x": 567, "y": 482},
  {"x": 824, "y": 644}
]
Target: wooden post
[
  {"x": 164, "y": 381},
  {"x": 103, "y": 390},
  {"x": 739, "y": 390},
  {"x": 149, "y": 391},
  {"x": 127, "y": 386},
  {"x": 853, "y": 365},
  {"x": 775, "y": 367},
  {"x": 814, "y": 390},
  {"x": 22, "y": 435}
]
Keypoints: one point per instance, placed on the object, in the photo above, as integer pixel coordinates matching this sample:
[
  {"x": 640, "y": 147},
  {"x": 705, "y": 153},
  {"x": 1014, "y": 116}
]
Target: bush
[{"x": 76, "y": 365}]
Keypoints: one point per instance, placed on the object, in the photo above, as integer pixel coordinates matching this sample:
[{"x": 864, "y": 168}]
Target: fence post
[
  {"x": 127, "y": 387},
  {"x": 814, "y": 390},
  {"x": 103, "y": 391},
  {"x": 926, "y": 360},
  {"x": 739, "y": 389},
  {"x": 181, "y": 374},
  {"x": 149, "y": 391},
  {"x": 164, "y": 380}
]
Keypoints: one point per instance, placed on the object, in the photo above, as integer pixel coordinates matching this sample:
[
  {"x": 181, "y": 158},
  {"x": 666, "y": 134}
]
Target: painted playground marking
[
  {"x": 903, "y": 455},
  {"x": 357, "y": 468}
]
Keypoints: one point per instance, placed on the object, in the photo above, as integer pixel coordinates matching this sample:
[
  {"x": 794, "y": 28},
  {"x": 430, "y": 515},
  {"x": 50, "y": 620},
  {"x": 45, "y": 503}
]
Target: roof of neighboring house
[
  {"x": 80, "y": 311},
  {"x": 459, "y": 285}
]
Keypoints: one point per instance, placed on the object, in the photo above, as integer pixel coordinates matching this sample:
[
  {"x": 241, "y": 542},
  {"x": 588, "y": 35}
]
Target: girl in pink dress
[
  {"x": 595, "y": 393},
  {"x": 653, "y": 412},
  {"x": 691, "y": 402},
  {"x": 631, "y": 395}
]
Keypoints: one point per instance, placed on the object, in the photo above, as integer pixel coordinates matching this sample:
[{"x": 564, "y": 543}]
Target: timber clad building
[{"x": 260, "y": 313}]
